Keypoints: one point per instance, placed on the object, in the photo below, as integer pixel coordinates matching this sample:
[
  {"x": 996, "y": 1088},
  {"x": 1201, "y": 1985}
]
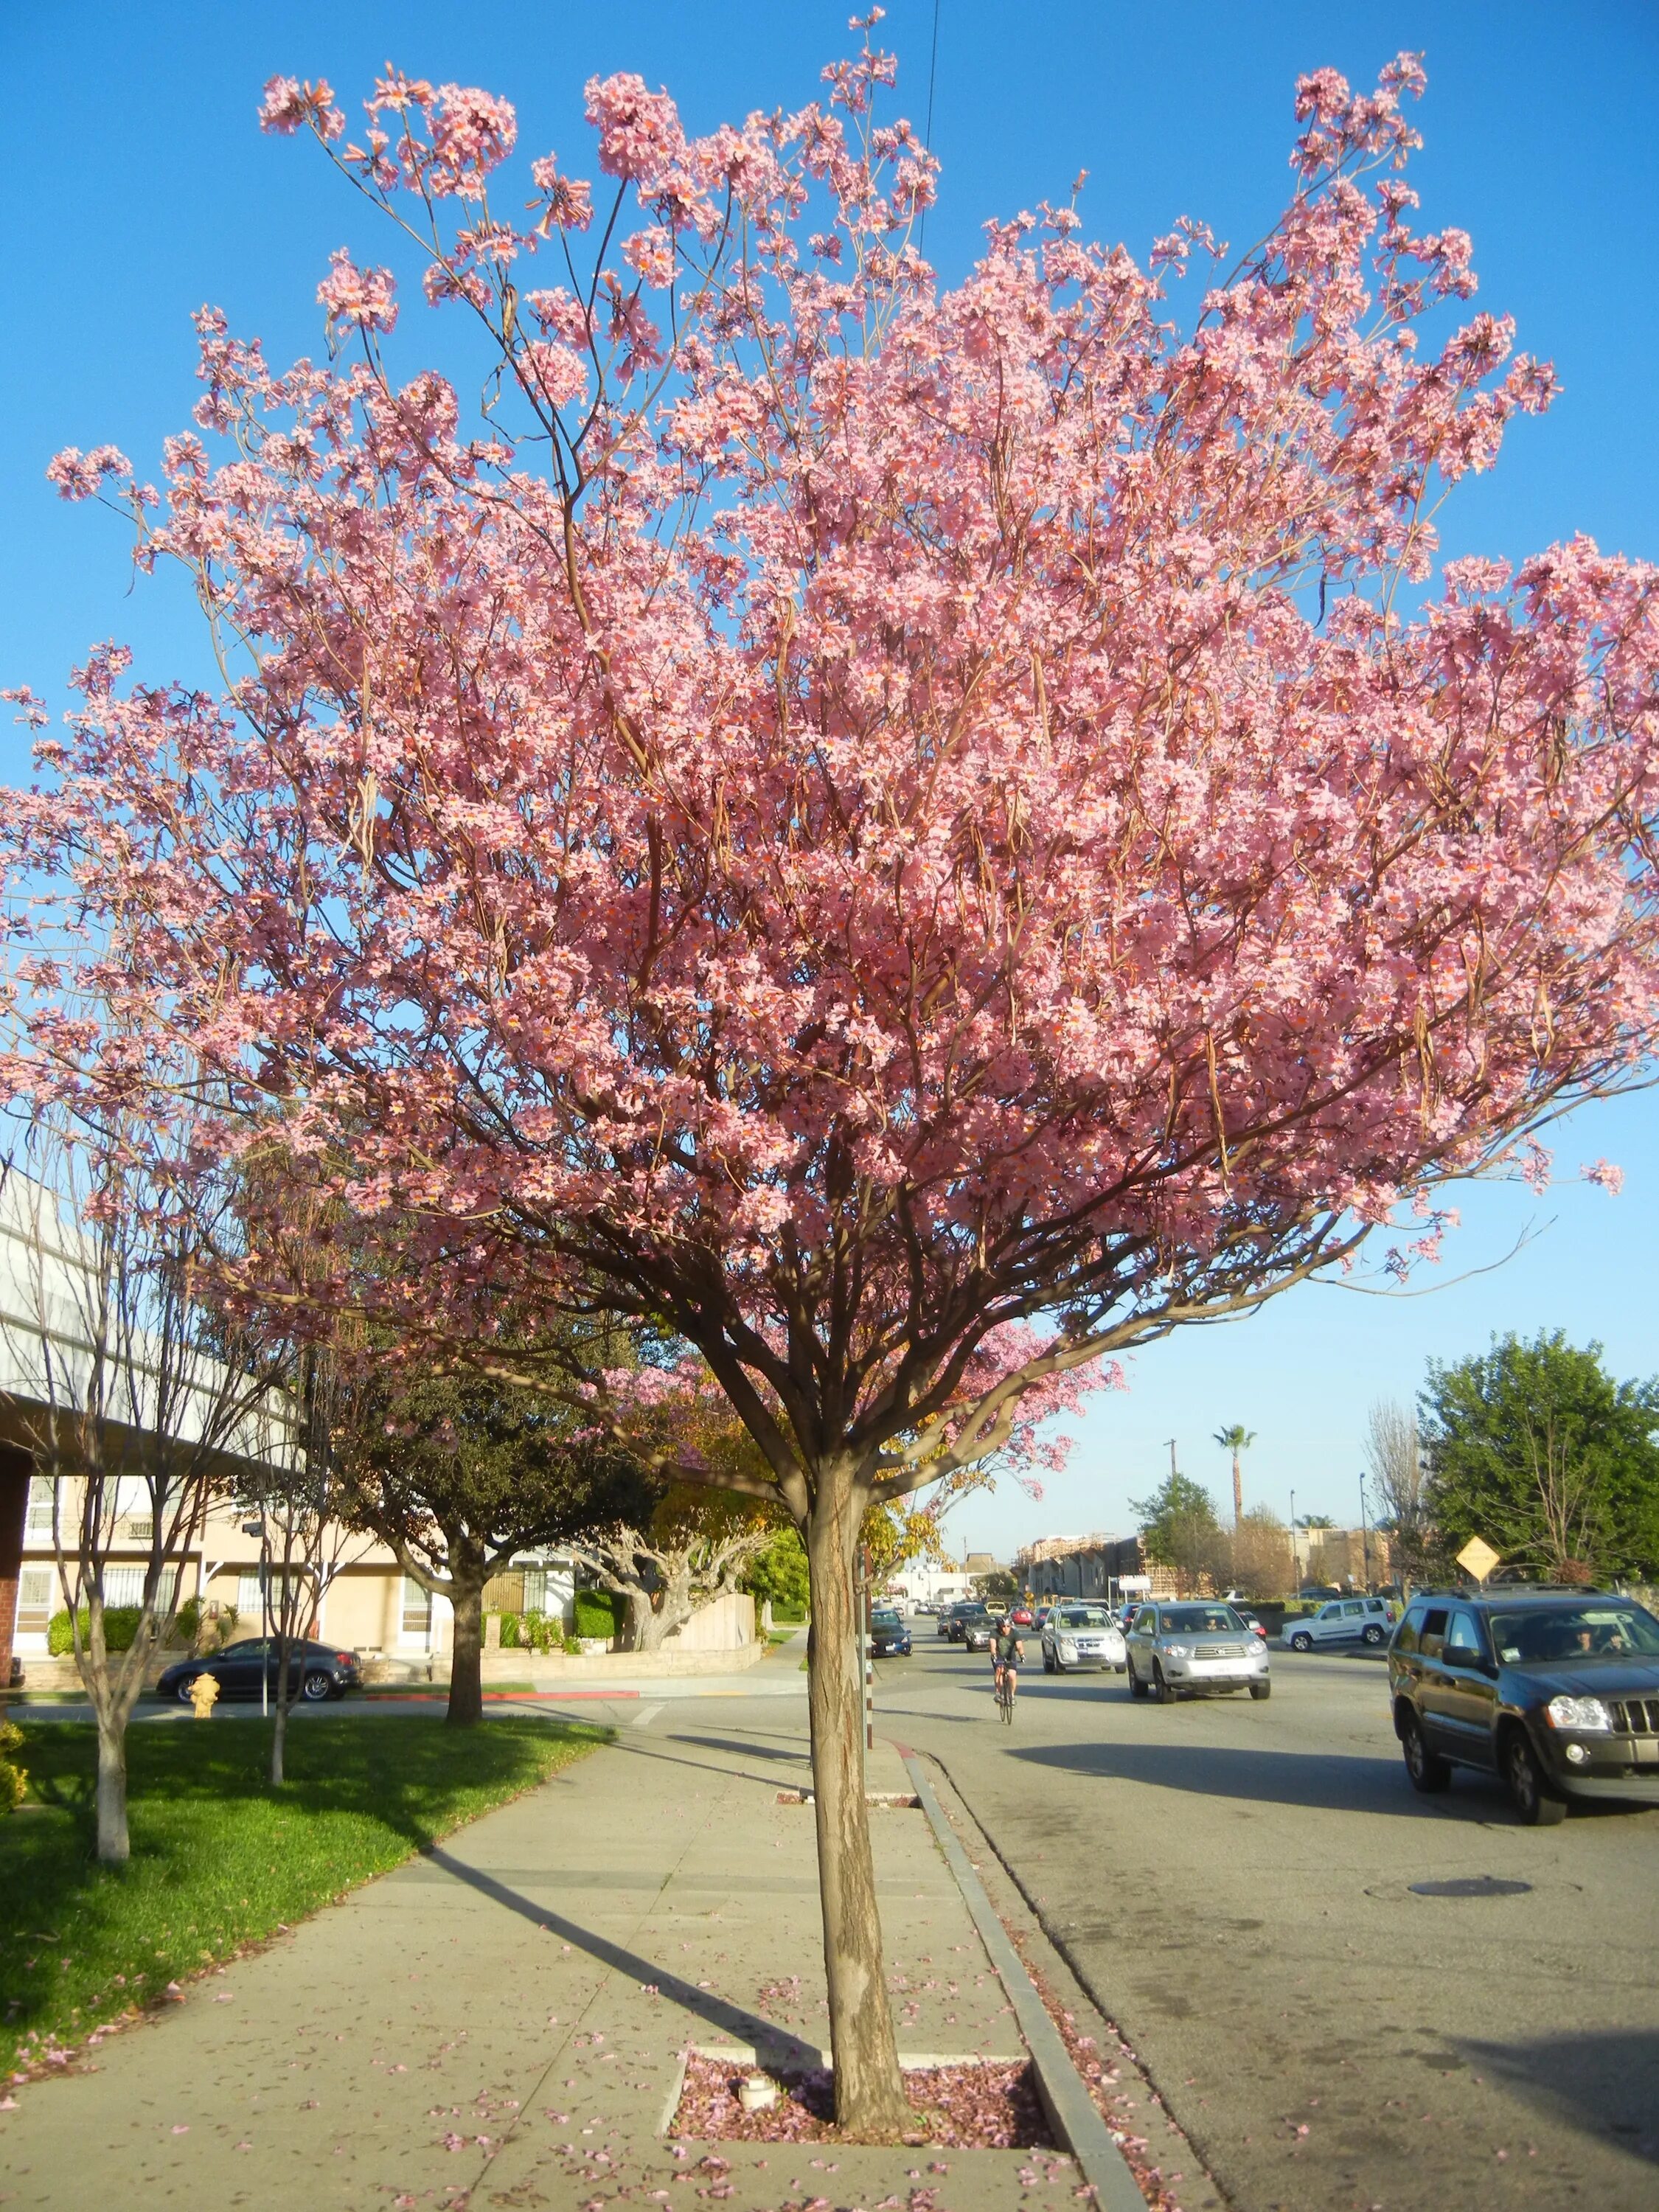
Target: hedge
[
  {"x": 120, "y": 1626},
  {"x": 599, "y": 1612}
]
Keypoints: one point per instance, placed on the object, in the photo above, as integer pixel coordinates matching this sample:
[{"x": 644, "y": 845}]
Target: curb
[{"x": 1070, "y": 2108}]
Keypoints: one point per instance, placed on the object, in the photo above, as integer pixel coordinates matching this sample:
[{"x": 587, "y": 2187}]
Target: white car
[
  {"x": 1081, "y": 1635},
  {"x": 1341, "y": 1620}
]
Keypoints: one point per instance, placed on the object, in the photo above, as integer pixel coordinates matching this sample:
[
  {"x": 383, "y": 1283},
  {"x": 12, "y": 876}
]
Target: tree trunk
[
  {"x": 465, "y": 1707},
  {"x": 115, "y": 1846},
  {"x": 1238, "y": 1492},
  {"x": 642, "y": 1621},
  {"x": 870, "y": 2098}
]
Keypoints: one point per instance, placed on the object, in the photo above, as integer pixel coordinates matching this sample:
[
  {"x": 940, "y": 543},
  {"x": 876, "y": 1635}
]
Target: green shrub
[
  {"x": 511, "y": 1625},
  {"x": 13, "y": 1779},
  {"x": 599, "y": 1613},
  {"x": 779, "y": 1572},
  {"x": 188, "y": 1625},
  {"x": 120, "y": 1626}
]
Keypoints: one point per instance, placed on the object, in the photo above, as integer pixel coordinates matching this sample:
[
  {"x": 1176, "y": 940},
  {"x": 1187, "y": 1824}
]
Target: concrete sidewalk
[{"x": 499, "y": 2023}]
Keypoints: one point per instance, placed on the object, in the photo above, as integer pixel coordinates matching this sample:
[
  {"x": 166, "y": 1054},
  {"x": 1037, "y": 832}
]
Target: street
[{"x": 1233, "y": 1883}]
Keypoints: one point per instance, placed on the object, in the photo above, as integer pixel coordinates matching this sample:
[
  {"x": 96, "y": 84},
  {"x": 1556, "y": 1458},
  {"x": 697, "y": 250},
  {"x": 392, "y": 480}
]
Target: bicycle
[{"x": 1006, "y": 1687}]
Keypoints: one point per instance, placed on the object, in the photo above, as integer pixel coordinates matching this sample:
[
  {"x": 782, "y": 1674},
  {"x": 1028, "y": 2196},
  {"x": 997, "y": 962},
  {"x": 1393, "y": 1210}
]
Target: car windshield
[
  {"x": 1575, "y": 1632},
  {"x": 883, "y": 1620},
  {"x": 1199, "y": 1619},
  {"x": 1083, "y": 1616}
]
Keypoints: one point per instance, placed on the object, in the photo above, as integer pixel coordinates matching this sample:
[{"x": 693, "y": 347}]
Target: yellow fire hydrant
[{"x": 203, "y": 1695}]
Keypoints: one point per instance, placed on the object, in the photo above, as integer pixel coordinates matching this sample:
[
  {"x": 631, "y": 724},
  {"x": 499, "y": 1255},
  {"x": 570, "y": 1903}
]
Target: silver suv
[
  {"x": 1344, "y": 1621},
  {"x": 1178, "y": 1648}
]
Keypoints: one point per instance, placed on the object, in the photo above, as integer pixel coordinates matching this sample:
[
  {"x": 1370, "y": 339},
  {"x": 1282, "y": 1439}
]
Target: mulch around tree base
[{"x": 970, "y": 2106}]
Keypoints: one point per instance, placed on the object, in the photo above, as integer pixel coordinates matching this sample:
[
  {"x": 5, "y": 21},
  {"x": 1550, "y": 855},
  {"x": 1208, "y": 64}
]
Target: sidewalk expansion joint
[{"x": 1073, "y": 2110}]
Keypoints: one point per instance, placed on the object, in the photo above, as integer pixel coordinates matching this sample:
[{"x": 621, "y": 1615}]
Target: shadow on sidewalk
[{"x": 773, "y": 2046}]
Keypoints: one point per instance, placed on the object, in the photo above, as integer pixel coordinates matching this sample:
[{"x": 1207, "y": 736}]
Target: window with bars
[
  {"x": 34, "y": 1607},
  {"x": 417, "y": 1624},
  {"x": 125, "y": 1586}
]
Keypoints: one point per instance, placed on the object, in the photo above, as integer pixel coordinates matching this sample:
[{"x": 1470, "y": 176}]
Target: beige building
[{"x": 368, "y": 1605}]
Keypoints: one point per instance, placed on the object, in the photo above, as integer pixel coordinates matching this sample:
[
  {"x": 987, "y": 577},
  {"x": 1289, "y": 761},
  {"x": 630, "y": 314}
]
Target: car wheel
[
  {"x": 1302, "y": 1641},
  {"x": 1535, "y": 1803},
  {"x": 1259, "y": 1690},
  {"x": 1048, "y": 1662},
  {"x": 185, "y": 1688},
  {"x": 316, "y": 1687},
  {"x": 1161, "y": 1689},
  {"x": 1429, "y": 1772},
  {"x": 1137, "y": 1687},
  {"x": 1373, "y": 1634}
]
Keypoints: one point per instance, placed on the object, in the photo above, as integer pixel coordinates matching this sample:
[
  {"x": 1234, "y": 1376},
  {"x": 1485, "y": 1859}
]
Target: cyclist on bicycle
[{"x": 1006, "y": 1652}]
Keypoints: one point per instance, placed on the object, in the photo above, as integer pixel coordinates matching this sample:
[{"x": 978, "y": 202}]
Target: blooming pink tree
[{"x": 902, "y": 841}]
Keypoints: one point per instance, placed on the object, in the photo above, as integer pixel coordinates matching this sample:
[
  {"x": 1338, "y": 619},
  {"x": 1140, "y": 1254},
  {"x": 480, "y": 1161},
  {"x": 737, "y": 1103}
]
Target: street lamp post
[{"x": 1296, "y": 1557}]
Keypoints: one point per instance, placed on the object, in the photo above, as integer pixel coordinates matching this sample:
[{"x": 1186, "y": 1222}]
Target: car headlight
[
  {"x": 1067, "y": 1649},
  {"x": 1177, "y": 1651},
  {"x": 1588, "y": 1715}
]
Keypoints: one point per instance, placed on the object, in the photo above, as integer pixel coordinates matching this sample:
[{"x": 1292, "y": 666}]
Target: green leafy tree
[
  {"x": 459, "y": 1473},
  {"x": 1535, "y": 1447},
  {"x": 1179, "y": 1529},
  {"x": 779, "y": 1572}
]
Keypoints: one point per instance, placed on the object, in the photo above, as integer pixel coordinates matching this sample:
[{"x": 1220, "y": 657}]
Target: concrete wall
[{"x": 725, "y": 1625}]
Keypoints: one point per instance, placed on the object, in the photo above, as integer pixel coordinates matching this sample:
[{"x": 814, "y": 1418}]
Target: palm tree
[{"x": 1236, "y": 1440}]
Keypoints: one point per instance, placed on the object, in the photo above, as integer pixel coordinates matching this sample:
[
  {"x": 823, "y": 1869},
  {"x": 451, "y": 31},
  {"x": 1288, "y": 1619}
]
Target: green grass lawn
[{"x": 219, "y": 1859}]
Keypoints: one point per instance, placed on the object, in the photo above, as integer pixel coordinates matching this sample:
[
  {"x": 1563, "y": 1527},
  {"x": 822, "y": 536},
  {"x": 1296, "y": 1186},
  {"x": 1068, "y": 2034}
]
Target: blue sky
[{"x": 137, "y": 187}]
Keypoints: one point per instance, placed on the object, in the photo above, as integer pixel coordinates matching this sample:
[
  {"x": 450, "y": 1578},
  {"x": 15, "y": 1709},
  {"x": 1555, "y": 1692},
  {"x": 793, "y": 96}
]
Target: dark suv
[
  {"x": 972, "y": 1624},
  {"x": 1556, "y": 1690}
]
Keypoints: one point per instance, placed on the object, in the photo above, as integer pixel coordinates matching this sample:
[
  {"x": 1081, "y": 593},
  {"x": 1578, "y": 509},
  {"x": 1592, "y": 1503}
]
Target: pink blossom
[
  {"x": 82, "y": 475},
  {"x": 472, "y": 133},
  {"x": 360, "y": 298},
  {"x": 650, "y": 253}
]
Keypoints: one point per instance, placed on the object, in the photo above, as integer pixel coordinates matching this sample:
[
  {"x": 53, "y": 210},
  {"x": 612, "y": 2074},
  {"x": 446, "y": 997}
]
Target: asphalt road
[{"x": 1232, "y": 1881}]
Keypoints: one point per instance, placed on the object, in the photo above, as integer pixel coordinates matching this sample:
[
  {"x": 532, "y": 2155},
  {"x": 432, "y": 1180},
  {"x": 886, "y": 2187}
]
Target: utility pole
[
  {"x": 1172, "y": 1464},
  {"x": 1296, "y": 1557},
  {"x": 1365, "y": 1535}
]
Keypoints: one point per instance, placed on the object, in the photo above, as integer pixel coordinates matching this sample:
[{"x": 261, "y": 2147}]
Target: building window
[
  {"x": 39, "y": 1522},
  {"x": 248, "y": 1607},
  {"x": 125, "y": 1586},
  {"x": 34, "y": 1601},
  {"x": 416, "y": 1624}
]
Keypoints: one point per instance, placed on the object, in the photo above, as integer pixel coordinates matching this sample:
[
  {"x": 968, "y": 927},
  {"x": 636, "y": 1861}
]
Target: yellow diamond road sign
[{"x": 1479, "y": 1556}]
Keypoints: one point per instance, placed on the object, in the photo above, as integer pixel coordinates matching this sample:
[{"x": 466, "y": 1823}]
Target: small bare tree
[
  {"x": 1394, "y": 1459},
  {"x": 137, "y": 1407},
  {"x": 306, "y": 1536}
]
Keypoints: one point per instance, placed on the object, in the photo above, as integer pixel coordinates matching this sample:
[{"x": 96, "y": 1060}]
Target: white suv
[{"x": 1342, "y": 1620}]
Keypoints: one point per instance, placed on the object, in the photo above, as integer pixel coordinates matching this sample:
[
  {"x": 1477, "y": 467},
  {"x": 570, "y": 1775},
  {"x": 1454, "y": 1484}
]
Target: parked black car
[
  {"x": 1556, "y": 1690},
  {"x": 888, "y": 1635},
  {"x": 316, "y": 1671}
]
